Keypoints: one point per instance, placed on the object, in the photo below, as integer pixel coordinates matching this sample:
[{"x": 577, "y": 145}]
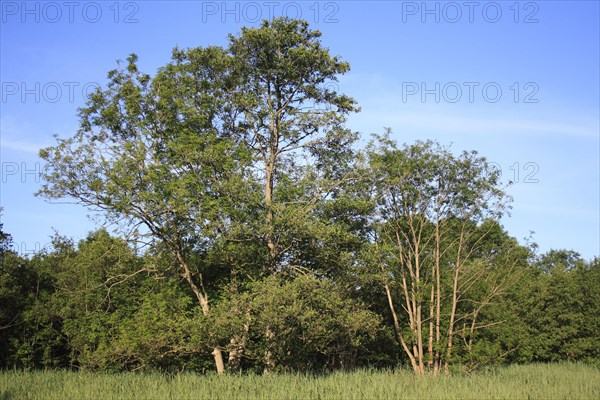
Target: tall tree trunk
[
  {"x": 397, "y": 329},
  {"x": 270, "y": 161},
  {"x": 452, "y": 318},
  {"x": 455, "y": 296},
  {"x": 419, "y": 310},
  {"x": 270, "y": 170},
  {"x": 413, "y": 306},
  {"x": 431, "y": 319},
  {"x": 438, "y": 291},
  {"x": 271, "y": 244}
]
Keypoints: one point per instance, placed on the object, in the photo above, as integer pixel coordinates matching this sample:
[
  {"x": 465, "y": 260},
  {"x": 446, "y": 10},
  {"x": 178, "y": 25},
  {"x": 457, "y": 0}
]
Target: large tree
[
  {"x": 157, "y": 153},
  {"x": 293, "y": 120},
  {"x": 178, "y": 158}
]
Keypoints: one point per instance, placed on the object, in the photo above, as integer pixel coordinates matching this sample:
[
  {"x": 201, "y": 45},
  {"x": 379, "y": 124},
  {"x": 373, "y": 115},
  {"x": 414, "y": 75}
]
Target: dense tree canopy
[{"x": 254, "y": 234}]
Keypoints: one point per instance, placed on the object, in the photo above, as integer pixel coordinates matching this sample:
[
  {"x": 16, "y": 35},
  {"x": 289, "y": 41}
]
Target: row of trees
[
  {"x": 100, "y": 306},
  {"x": 255, "y": 232}
]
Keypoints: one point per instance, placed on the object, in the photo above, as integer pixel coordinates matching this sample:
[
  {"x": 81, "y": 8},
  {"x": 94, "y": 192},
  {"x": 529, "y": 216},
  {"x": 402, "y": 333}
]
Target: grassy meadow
[{"x": 543, "y": 381}]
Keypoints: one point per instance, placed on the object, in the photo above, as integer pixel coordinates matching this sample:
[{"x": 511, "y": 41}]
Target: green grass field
[{"x": 560, "y": 381}]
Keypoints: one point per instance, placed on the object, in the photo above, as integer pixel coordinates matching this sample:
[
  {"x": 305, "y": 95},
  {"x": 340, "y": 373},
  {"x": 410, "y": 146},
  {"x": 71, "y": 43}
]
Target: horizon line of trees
[
  {"x": 102, "y": 304},
  {"x": 257, "y": 235}
]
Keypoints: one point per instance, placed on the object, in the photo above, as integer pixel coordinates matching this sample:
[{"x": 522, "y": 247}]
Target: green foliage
[
  {"x": 88, "y": 303},
  {"x": 563, "y": 315},
  {"x": 31, "y": 333},
  {"x": 5, "y": 239},
  {"x": 549, "y": 314},
  {"x": 160, "y": 334},
  {"x": 311, "y": 325},
  {"x": 256, "y": 230},
  {"x": 438, "y": 251}
]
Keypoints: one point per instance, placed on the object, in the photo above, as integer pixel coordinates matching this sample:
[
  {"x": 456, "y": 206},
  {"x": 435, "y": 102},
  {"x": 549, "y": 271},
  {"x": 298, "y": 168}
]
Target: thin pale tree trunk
[
  {"x": 438, "y": 292},
  {"x": 455, "y": 296},
  {"x": 397, "y": 329},
  {"x": 431, "y": 319},
  {"x": 419, "y": 310}
]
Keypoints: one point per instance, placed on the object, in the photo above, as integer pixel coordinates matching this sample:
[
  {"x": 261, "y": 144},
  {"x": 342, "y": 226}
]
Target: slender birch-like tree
[{"x": 435, "y": 211}]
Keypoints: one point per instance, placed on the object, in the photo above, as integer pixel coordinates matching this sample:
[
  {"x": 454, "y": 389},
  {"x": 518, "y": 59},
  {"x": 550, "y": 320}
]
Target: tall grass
[{"x": 540, "y": 381}]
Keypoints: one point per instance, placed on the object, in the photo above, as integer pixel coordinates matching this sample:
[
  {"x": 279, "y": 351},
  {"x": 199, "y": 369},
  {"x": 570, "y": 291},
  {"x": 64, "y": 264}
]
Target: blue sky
[{"x": 516, "y": 81}]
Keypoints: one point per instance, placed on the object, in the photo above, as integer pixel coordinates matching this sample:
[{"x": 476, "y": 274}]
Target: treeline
[
  {"x": 98, "y": 305},
  {"x": 256, "y": 234}
]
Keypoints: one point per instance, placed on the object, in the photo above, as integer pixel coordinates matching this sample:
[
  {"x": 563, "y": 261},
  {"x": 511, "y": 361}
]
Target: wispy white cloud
[
  {"x": 558, "y": 212},
  {"x": 20, "y": 146},
  {"x": 441, "y": 123},
  {"x": 12, "y": 130},
  {"x": 443, "y": 120},
  {"x": 383, "y": 104}
]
